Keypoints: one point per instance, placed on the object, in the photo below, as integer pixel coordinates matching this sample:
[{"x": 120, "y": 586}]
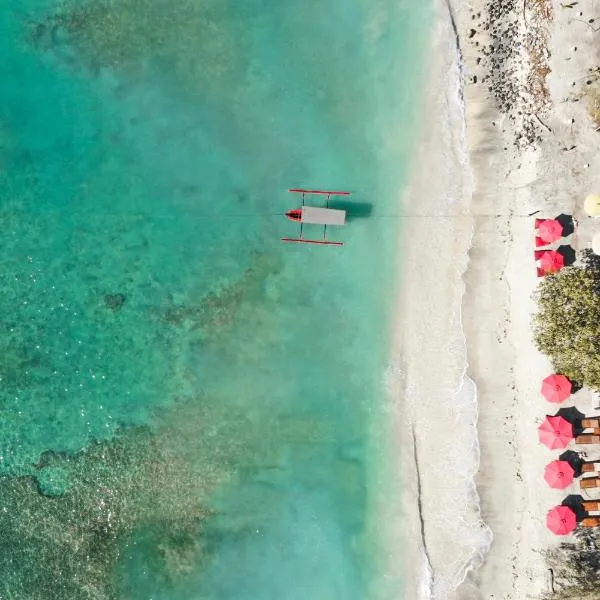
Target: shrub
[{"x": 567, "y": 325}]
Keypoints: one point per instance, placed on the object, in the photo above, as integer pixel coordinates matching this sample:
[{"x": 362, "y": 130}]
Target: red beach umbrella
[
  {"x": 556, "y": 388},
  {"x": 561, "y": 520},
  {"x": 555, "y": 432},
  {"x": 552, "y": 261},
  {"x": 540, "y": 242},
  {"x": 559, "y": 474},
  {"x": 550, "y": 230}
]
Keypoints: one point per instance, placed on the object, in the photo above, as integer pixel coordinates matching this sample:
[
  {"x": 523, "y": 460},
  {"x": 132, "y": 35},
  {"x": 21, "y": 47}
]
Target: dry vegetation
[
  {"x": 576, "y": 567},
  {"x": 539, "y": 15},
  {"x": 590, "y": 94}
]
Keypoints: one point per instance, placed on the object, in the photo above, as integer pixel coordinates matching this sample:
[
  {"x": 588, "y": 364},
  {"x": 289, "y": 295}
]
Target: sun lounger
[
  {"x": 590, "y": 467},
  {"x": 590, "y": 424},
  {"x": 586, "y": 438},
  {"x": 589, "y": 482},
  {"x": 591, "y": 505},
  {"x": 591, "y": 522}
]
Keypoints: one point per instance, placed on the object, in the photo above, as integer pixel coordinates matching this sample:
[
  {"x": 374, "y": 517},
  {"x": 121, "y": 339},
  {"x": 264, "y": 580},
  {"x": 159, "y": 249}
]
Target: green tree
[{"x": 567, "y": 325}]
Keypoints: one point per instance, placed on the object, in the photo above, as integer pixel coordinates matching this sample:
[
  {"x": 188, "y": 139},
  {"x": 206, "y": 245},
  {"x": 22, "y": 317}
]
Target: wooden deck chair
[
  {"x": 590, "y": 467},
  {"x": 591, "y": 522},
  {"x": 589, "y": 483},
  {"x": 590, "y": 423},
  {"x": 586, "y": 438},
  {"x": 591, "y": 505}
]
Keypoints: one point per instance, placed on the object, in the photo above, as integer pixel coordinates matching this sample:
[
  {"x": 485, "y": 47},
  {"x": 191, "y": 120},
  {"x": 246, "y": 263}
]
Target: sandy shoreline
[{"x": 466, "y": 285}]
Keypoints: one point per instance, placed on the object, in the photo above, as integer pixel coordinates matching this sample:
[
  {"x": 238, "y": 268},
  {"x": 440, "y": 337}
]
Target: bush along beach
[{"x": 567, "y": 325}]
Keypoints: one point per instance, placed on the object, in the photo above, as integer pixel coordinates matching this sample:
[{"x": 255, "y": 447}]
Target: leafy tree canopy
[{"x": 567, "y": 325}]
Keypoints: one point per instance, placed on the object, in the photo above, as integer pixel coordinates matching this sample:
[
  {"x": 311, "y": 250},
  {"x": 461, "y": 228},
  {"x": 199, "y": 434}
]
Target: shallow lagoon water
[{"x": 187, "y": 405}]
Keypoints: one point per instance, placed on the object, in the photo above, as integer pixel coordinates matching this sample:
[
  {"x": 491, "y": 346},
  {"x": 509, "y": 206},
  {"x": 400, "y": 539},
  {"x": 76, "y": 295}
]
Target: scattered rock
[
  {"x": 52, "y": 481},
  {"x": 114, "y": 301}
]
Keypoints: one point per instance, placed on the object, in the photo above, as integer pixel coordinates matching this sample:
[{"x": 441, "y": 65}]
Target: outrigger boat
[{"x": 316, "y": 215}]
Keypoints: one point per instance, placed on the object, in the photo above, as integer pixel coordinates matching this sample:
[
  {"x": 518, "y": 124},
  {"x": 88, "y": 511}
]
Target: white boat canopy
[{"x": 313, "y": 215}]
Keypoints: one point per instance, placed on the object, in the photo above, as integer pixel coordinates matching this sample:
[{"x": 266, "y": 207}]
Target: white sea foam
[{"x": 437, "y": 403}]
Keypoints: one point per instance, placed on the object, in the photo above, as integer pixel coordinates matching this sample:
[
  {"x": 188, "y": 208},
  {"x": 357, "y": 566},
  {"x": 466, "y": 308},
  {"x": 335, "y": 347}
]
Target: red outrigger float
[{"x": 314, "y": 215}]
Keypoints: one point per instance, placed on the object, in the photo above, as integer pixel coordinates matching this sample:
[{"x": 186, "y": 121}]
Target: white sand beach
[{"x": 468, "y": 372}]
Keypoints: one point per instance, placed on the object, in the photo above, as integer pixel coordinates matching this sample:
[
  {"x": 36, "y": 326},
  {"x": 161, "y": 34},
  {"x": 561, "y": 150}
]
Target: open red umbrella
[
  {"x": 550, "y": 230},
  {"x": 561, "y": 520},
  {"x": 555, "y": 432},
  {"x": 559, "y": 474},
  {"x": 556, "y": 388},
  {"x": 551, "y": 261}
]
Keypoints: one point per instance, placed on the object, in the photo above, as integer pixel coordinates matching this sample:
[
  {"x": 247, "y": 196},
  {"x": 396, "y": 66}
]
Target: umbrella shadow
[
  {"x": 574, "y": 459},
  {"x": 575, "y": 386},
  {"x": 573, "y": 416},
  {"x": 568, "y": 253},
  {"x": 354, "y": 210},
  {"x": 567, "y": 223},
  {"x": 575, "y": 503}
]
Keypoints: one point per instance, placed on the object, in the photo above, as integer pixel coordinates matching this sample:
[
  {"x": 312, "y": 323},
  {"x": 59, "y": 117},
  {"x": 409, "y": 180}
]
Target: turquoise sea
[{"x": 189, "y": 407}]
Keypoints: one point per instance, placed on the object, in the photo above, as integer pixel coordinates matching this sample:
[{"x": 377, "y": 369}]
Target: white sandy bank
[{"x": 468, "y": 374}]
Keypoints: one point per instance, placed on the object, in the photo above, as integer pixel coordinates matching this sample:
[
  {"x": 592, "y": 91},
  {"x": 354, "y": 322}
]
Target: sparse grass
[
  {"x": 539, "y": 16},
  {"x": 589, "y": 93},
  {"x": 542, "y": 7},
  {"x": 573, "y": 594},
  {"x": 591, "y": 97}
]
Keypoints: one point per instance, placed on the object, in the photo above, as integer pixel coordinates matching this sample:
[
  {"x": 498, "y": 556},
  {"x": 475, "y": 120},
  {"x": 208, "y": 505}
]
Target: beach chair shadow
[
  {"x": 575, "y": 503},
  {"x": 567, "y": 223},
  {"x": 575, "y": 386},
  {"x": 568, "y": 253},
  {"x": 574, "y": 459},
  {"x": 573, "y": 416}
]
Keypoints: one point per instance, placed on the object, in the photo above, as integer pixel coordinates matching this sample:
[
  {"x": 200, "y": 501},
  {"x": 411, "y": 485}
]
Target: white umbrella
[
  {"x": 596, "y": 243},
  {"x": 592, "y": 205}
]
